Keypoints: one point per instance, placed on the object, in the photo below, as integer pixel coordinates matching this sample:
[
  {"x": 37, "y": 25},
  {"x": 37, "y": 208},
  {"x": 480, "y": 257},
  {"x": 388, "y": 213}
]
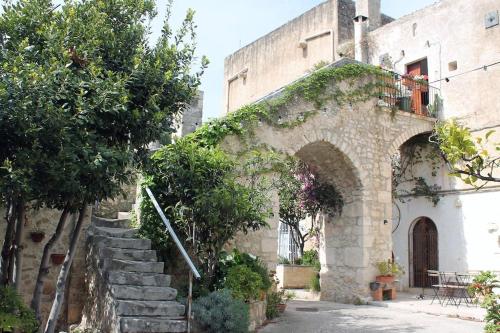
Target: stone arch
[
  {"x": 406, "y": 136},
  {"x": 342, "y": 248}
]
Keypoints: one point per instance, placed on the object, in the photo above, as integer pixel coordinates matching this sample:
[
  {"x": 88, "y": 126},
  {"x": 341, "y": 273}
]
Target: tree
[
  {"x": 469, "y": 158},
  {"x": 201, "y": 188},
  {"x": 301, "y": 195},
  {"x": 82, "y": 94}
]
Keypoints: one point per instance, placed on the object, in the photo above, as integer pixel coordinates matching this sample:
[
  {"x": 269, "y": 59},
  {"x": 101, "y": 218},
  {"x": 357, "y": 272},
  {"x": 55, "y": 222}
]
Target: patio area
[
  {"x": 412, "y": 303},
  {"x": 398, "y": 317}
]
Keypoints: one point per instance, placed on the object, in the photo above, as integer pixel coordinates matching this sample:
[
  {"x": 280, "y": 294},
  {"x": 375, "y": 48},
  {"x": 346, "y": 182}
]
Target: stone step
[
  {"x": 156, "y": 325},
  {"x": 139, "y": 279},
  {"x": 145, "y": 293},
  {"x": 111, "y": 223},
  {"x": 124, "y": 215},
  {"x": 115, "y": 232},
  {"x": 128, "y": 254},
  {"x": 122, "y": 243},
  {"x": 133, "y": 266},
  {"x": 149, "y": 308}
]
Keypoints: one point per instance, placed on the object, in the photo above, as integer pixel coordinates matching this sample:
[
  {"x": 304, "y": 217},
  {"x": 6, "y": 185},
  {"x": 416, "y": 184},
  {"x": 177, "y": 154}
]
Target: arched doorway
[{"x": 424, "y": 251}]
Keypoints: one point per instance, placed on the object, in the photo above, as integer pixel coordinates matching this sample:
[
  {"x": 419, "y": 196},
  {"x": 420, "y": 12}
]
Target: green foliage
[
  {"x": 407, "y": 182},
  {"x": 468, "y": 157},
  {"x": 14, "y": 314},
  {"x": 482, "y": 289},
  {"x": 243, "y": 283},
  {"x": 283, "y": 261},
  {"x": 219, "y": 312},
  {"x": 201, "y": 186},
  {"x": 273, "y": 299},
  {"x": 82, "y": 94},
  {"x": 389, "y": 268},
  {"x": 302, "y": 194},
  {"x": 315, "y": 284},
  {"x": 312, "y": 89},
  {"x": 235, "y": 258},
  {"x": 311, "y": 258}
]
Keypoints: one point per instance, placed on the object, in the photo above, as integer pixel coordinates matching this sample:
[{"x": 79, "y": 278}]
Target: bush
[
  {"x": 311, "y": 258},
  {"x": 243, "y": 283},
  {"x": 219, "y": 312},
  {"x": 315, "y": 284},
  {"x": 482, "y": 289},
  {"x": 14, "y": 314},
  {"x": 236, "y": 258},
  {"x": 283, "y": 261},
  {"x": 273, "y": 299}
]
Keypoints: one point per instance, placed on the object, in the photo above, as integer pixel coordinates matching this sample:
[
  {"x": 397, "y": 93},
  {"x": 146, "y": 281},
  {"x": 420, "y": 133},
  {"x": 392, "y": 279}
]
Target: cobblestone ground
[{"x": 327, "y": 317}]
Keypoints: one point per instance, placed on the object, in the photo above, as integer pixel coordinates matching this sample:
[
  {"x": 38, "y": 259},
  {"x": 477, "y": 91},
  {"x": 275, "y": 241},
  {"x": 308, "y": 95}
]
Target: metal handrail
[{"x": 173, "y": 234}]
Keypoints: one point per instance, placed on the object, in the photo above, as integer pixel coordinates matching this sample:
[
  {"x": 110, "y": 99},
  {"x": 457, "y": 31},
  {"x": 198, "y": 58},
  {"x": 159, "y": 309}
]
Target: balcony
[{"x": 409, "y": 94}]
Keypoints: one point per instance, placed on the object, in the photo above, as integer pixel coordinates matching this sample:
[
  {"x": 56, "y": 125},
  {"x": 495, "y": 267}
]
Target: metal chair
[{"x": 436, "y": 285}]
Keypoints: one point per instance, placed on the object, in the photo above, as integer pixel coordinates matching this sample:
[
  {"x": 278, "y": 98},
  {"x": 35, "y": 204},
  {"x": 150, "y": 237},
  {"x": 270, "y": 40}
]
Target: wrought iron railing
[{"x": 405, "y": 93}]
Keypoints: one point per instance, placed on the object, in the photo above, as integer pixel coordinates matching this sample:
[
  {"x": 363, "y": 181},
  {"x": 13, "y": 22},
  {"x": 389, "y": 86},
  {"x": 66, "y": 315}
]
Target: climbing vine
[
  {"x": 406, "y": 181},
  {"x": 314, "y": 89}
]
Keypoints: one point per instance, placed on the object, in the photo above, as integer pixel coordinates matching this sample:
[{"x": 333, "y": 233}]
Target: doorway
[
  {"x": 419, "y": 92},
  {"x": 424, "y": 252}
]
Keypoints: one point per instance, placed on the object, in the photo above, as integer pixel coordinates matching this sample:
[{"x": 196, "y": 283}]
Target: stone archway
[
  {"x": 351, "y": 145},
  {"x": 342, "y": 254}
]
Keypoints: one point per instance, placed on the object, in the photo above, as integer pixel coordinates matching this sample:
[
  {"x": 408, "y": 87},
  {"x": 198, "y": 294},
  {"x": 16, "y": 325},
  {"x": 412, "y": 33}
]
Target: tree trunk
[
  {"x": 21, "y": 215},
  {"x": 44, "y": 264},
  {"x": 63, "y": 274},
  {"x": 7, "y": 244}
]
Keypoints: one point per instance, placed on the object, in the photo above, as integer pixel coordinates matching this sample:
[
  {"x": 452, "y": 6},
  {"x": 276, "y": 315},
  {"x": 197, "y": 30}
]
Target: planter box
[
  {"x": 257, "y": 316},
  {"x": 294, "y": 276}
]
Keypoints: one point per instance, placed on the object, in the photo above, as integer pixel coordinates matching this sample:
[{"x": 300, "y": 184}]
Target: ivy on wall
[{"x": 318, "y": 88}]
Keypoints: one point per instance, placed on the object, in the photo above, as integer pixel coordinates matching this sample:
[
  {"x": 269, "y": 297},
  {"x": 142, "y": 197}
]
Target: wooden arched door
[{"x": 424, "y": 251}]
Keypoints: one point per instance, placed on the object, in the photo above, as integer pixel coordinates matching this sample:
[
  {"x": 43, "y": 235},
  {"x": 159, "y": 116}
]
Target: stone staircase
[{"x": 128, "y": 292}]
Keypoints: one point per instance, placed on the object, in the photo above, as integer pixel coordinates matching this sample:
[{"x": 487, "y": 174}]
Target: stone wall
[
  {"x": 45, "y": 220},
  {"x": 351, "y": 148},
  {"x": 257, "y": 313},
  {"x": 294, "y": 277}
]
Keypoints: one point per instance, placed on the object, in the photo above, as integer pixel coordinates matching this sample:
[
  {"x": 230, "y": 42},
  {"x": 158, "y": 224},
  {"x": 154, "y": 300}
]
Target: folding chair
[{"x": 435, "y": 285}]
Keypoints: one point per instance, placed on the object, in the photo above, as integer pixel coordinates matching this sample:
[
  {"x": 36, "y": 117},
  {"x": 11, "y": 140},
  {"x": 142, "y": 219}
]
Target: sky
[{"x": 224, "y": 26}]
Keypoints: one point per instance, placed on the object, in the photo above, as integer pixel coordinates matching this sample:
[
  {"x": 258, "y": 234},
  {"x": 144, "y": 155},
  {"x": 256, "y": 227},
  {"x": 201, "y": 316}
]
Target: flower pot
[
  {"x": 37, "y": 236},
  {"x": 57, "y": 258},
  {"x": 387, "y": 279},
  {"x": 281, "y": 307}
]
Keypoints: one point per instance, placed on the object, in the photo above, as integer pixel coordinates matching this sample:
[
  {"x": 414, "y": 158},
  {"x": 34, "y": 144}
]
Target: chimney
[
  {"x": 367, "y": 19},
  {"x": 370, "y": 9}
]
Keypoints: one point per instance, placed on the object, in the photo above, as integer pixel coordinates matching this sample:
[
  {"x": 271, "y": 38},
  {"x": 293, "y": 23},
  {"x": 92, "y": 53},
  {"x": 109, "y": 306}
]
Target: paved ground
[{"x": 327, "y": 317}]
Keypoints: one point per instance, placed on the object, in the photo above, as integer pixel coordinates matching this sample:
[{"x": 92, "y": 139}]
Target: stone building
[{"x": 454, "y": 44}]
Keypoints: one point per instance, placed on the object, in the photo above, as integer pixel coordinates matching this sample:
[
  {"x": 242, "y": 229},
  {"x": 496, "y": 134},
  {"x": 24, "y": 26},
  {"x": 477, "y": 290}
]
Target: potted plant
[
  {"x": 57, "y": 258},
  {"x": 284, "y": 298},
  {"x": 388, "y": 271},
  {"x": 37, "y": 236}
]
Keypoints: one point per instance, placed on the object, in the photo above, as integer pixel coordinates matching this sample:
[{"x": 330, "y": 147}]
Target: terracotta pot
[
  {"x": 37, "y": 236},
  {"x": 281, "y": 307},
  {"x": 57, "y": 258},
  {"x": 385, "y": 278}
]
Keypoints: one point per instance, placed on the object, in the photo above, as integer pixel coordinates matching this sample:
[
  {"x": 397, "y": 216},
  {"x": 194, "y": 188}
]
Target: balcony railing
[{"x": 408, "y": 94}]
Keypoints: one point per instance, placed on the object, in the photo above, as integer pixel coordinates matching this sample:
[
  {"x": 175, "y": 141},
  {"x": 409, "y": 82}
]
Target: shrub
[
  {"x": 236, "y": 258},
  {"x": 244, "y": 284},
  {"x": 273, "y": 299},
  {"x": 311, "y": 258},
  {"x": 283, "y": 261},
  {"x": 315, "y": 284},
  {"x": 482, "y": 289},
  {"x": 14, "y": 315},
  {"x": 219, "y": 312}
]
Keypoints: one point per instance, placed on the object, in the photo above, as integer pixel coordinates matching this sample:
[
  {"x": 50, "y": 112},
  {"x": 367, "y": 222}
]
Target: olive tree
[{"x": 82, "y": 94}]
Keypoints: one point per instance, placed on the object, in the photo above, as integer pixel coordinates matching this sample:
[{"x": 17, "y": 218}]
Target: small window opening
[
  {"x": 414, "y": 28},
  {"x": 452, "y": 66}
]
